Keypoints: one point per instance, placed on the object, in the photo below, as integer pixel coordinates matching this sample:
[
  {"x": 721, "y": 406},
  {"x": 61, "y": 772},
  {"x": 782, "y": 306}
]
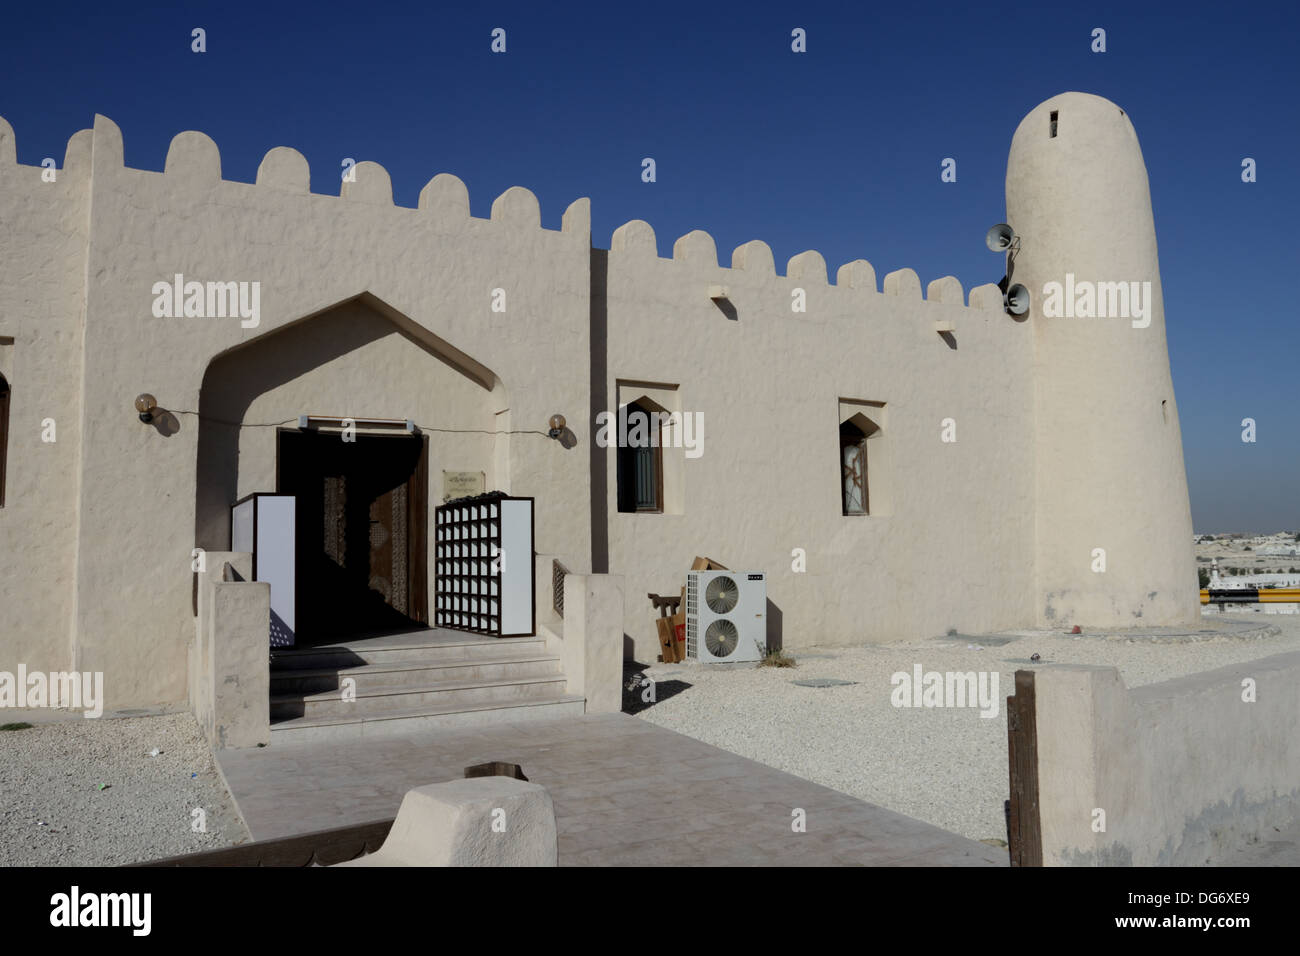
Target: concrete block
[{"x": 483, "y": 821}]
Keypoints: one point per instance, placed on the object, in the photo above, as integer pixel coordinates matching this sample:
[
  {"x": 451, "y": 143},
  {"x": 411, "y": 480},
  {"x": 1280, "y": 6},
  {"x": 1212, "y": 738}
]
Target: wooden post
[{"x": 1024, "y": 830}]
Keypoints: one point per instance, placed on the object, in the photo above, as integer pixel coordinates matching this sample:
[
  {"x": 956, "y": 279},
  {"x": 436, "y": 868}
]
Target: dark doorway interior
[{"x": 362, "y": 520}]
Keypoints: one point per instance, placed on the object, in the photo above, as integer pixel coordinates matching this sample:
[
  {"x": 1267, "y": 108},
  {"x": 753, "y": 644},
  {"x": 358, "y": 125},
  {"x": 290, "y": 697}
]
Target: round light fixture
[
  {"x": 145, "y": 405},
  {"x": 557, "y": 426}
]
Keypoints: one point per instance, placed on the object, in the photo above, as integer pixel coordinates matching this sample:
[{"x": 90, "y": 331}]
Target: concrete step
[
  {"x": 467, "y": 693},
  {"x": 428, "y": 646},
  {"x": 316, "y": 729},
  {"x": 376, "y": 677}
]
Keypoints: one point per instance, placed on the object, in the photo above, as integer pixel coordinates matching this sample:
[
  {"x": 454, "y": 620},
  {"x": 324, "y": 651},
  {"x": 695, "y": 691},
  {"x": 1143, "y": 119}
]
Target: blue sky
[{"x": 837, "y": 149}]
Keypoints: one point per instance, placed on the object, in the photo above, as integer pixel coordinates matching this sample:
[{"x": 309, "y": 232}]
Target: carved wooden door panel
[{"x": 389, "y": 527}]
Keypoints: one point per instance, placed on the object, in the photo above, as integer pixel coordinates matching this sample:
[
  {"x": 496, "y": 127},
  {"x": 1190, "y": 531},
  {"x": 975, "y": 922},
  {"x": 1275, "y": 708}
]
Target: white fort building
[{"x": 172, "y": 343}]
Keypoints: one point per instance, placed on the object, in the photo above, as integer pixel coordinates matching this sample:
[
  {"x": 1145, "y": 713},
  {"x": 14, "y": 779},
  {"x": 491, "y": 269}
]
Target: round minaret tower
[{"x": 1113, "y": 523}]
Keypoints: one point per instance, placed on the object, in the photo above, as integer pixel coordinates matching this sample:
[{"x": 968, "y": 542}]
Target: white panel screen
[
  {"x": 275, "y": 562},
  {"x": 517, "y": 566}
]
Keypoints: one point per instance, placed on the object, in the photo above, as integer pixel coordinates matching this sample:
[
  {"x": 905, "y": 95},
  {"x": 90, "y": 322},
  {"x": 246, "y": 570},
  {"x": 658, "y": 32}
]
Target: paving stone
[{"x": 626, "y": 793}]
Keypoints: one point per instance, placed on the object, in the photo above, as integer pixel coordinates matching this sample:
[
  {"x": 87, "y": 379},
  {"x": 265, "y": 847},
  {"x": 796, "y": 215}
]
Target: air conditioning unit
[{"x": 726, "y": 616}]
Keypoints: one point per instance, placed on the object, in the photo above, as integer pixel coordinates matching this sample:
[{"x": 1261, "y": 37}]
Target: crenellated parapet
[
  {"x": 635, "y": 240},
  {"x": 195, "y": 159}
]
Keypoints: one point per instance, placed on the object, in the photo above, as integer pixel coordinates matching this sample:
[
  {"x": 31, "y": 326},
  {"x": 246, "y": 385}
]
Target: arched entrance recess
[{"x": 362, "y": 497}]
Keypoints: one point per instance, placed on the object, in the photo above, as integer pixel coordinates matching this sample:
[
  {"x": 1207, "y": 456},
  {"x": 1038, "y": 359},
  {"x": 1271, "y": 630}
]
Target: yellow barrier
[{"x": 1251, "y": 596}]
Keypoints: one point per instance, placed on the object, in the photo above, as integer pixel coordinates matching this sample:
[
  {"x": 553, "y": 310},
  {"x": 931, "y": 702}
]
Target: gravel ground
[
  {"x": 52, "y": 812},
  {"x": 945, "y": 766}
]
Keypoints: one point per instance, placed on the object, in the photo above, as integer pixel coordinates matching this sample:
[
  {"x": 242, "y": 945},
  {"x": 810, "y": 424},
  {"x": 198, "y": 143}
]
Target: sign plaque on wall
[{"x": 462, "y": 484}]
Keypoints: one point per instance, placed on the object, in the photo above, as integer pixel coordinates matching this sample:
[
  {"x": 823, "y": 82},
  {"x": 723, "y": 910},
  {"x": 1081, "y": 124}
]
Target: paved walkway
[{"x": 625, "y": 791}]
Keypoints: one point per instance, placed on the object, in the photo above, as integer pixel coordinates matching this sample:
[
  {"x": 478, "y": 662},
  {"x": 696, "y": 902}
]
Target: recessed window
[
  {"x": 652, "y": 439},
  {"x": 640, "y": 461},
  {"x": 862, "y": 459},
  {"x": 4, "y": 434},
  {"x": 1052, "y": 135}
]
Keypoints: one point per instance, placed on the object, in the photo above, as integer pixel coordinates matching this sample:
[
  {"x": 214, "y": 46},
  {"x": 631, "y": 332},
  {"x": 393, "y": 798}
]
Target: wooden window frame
[{"x": 657, "y": 459}]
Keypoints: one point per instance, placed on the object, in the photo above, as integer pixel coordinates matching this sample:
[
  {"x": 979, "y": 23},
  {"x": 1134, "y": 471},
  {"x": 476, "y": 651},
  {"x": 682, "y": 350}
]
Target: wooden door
[{"x": 389, "y": 563}]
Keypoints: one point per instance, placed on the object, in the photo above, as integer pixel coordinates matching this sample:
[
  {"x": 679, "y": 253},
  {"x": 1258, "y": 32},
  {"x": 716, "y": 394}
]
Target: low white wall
[
  {"x": 1178, "y": 773},
  {"x": 592, "y": 655},
  {"x": 230, "y": 672}
]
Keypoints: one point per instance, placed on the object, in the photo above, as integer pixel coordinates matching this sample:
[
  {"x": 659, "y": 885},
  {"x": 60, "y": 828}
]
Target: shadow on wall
[
  {"x": 775, "y": 627},
  {"x": 599, "y": 329},
  {"x": 165, "y": 423}
]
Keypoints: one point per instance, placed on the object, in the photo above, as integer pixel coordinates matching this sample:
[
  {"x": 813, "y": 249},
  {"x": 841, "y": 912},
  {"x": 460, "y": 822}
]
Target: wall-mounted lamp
[
  {"x": 557, "y": 426},
  {"x": 145, "y": 405}
]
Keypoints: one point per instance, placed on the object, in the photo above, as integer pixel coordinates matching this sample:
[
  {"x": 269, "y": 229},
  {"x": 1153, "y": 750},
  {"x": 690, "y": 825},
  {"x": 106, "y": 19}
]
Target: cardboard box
[
  {"x": 706, "y": 564},
  {"x": 667, "y": 639}
]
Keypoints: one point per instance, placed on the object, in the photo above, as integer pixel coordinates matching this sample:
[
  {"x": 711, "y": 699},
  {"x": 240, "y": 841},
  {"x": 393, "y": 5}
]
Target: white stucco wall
[
  {"x": 770, "y": 384},
  {"x": 369, "y": 310},
  {"x": 42, "y": 283},
  {"x": 1110, "y": 471},
  {"x": 434, "y": 267}
]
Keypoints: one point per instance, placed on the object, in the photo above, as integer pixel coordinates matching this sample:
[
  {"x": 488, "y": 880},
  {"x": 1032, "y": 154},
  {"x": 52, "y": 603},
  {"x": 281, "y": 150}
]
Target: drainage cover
[
  {"x": 496, "y": 768},
  {"x": 822, "y": 682}
]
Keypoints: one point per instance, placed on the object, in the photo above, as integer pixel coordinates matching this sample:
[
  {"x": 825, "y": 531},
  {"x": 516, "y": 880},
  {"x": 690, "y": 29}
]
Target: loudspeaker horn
[
  {"x": 999, "y": 237},
  {"x": 1016, "y": 300}
]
